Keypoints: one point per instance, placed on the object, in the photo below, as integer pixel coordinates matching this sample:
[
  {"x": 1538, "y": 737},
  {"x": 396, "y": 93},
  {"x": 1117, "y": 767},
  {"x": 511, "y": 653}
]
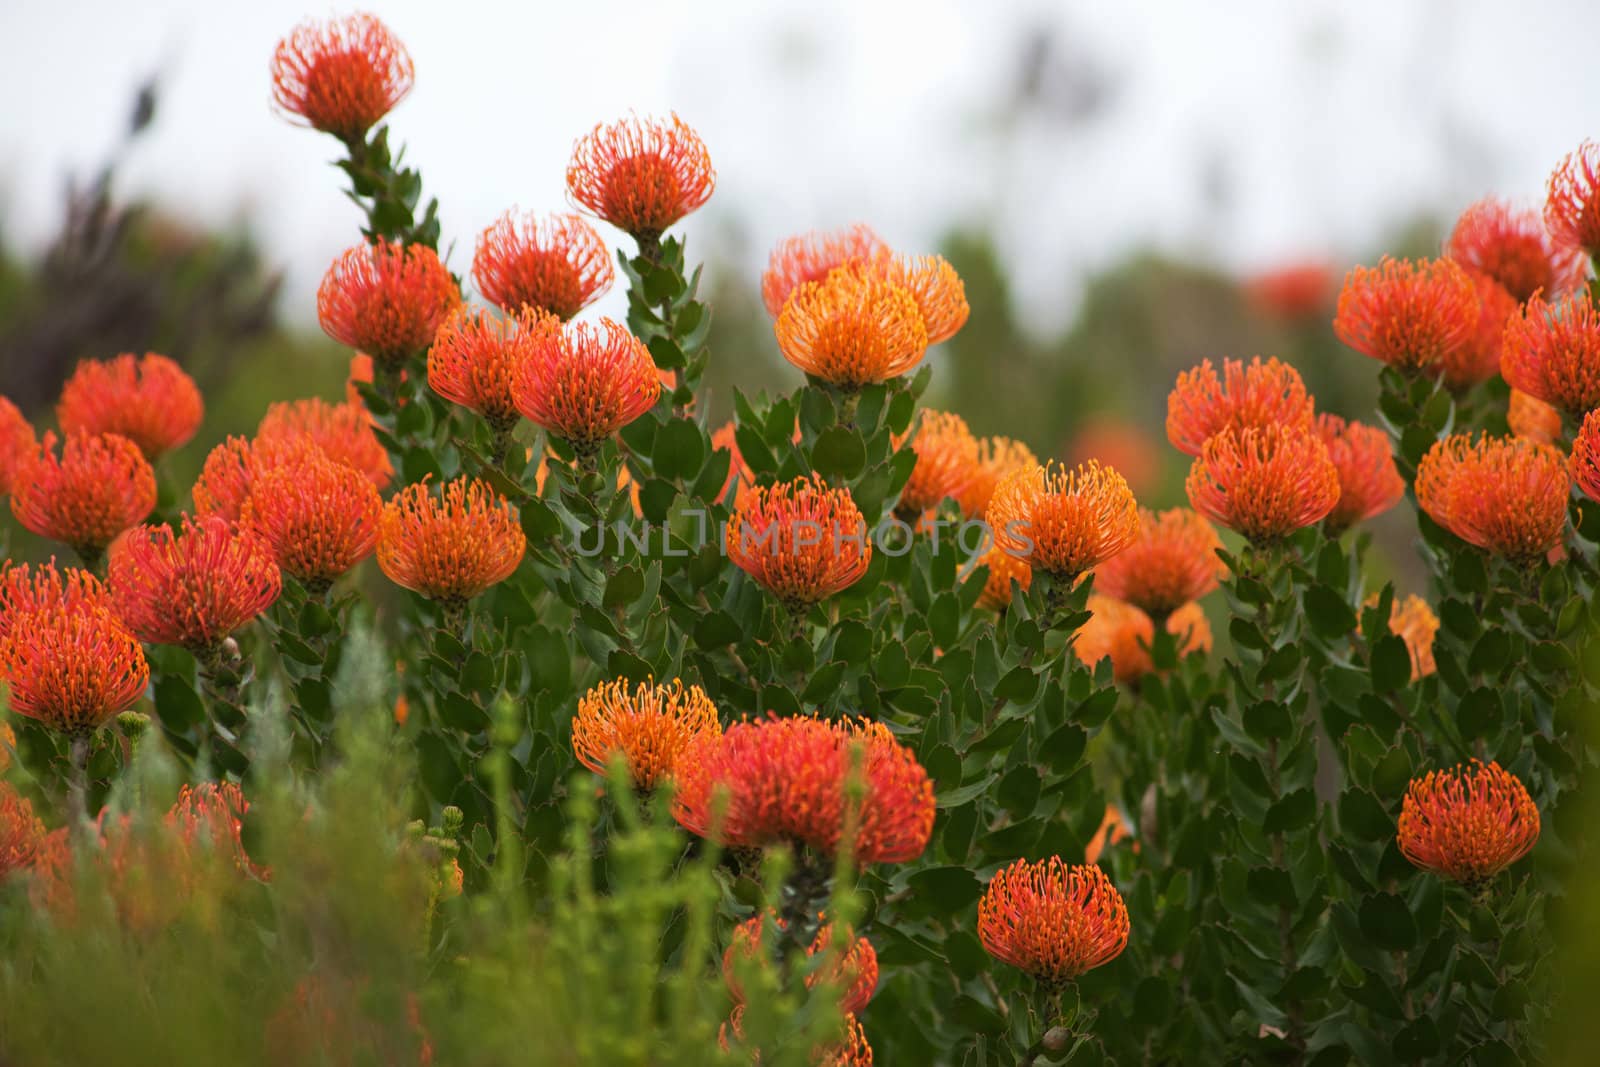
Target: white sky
[{"x": 1331, "y": 119}]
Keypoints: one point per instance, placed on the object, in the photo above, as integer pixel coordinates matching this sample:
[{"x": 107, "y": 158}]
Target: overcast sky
[{"x": 1247, "y": 132}]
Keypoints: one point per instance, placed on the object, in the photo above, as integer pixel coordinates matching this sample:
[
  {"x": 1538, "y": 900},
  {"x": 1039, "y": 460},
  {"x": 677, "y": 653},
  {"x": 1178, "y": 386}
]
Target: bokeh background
[{"x": 1119, "y": 184}]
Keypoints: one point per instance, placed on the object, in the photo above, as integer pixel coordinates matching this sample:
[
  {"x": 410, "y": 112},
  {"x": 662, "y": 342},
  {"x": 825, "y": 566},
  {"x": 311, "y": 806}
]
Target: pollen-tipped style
[
  {"x": 1369, "y": 481},
  {"x": 1064, "y": 522},
  {"x": 800, "y": 540},
  {"x": 585, "y": 381},
  {"x": 98, "y": 486},
  {"x": 787, "y": 780},
  {"x": 386, "y": 299},
  {"x": 1552, "y": 352},
  {"x": 1468, "y": 823},
  {"x": 810, "y": 257},
  {"x": 342, "y": 432},
  {"x": 72, "y": 666},
  {"x": 853, "y": 328},
  {"x": 647, "y": 725},
  {"x": 553, "y": 263},
  {"x": 194, "y": 587},
  {"x": 641, "y": 175},
  {"x": 1411, "y": 315},
  {"x": 452, "y": 545},
  {"x": 1171, "y": 562},
  {"x": 320, "y": 518},
  {"x": 1503, "y": 494},
  {"x": 1052, "y": 920},
  {"x": 1572, "y": 200},
  {"x": 1264, "y": 483},
  {"x": 1005, "y": 571},
  {"x": 147, "y": 399},
  {"x": 1261, "y": 394},
  {"x": 1512, "y": 247},
  {"x": 946, "y": 453},
  {"x": 341, "y": 76},
  {"x": 474, "y": 362},
  {"x": 26, "y": 589}
]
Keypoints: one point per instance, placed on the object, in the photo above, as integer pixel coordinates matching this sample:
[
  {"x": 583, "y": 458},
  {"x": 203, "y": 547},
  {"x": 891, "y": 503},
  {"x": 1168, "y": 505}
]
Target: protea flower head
[
  {"x": 343, "y": 432},
  {"x": 72, "y": 667},
  {"x": 100, "y": 485},
  {"x": 641, "y": 175},
  {"x": 1123, "y": 633},
  {"x": 997, "y": 457},
  {"x": 552, "y": 263},
  {"x": 810, "y": 257},
  {"x": 854, "y": 972},
  {"x": 1467, "y": 824},
  {"x": 1532, "y": 419},
  {"x": 1585, "y": 462},
  {"x": 149, "y": 400},
  {"x": 474, "y": 362},
  {"x": 1261, "y": 394},
  {"x": 1005, "y": 570},
  {"x": 450, "y": 546},
  {"x": 1369, "y": 481},
  {"x": 800, "y": 540},
  {"x": 18, "y": 444},
  {"x": 1171, "y": 562},
  {"x": 1512, "y": 247},
  {"x": 386, "y": 299},
  {"x": 341, "y": 76},
  {"x": 1503, "y": 494},
  {"x": 1411, "y": 315},
  {"x": 1064, "y": 522},
  {"x": 320, "y": 518},
  {"x": 648, "y": 725},
  {"x": 853, "y": 328},
  {"x": 1053, "y": 920},
  {"x": 1572, "y": 200},
  {"x": 585, "y": 381},
  {"x": 1552, "y": 352},
  {"x": 1264, "y": 483},
  {"x": 947, "y": 454}
]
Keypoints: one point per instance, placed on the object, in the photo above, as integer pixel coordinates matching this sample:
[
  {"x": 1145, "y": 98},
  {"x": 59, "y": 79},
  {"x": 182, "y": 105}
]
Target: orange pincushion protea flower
[
  {"x": 72, "y": 667},
  {"x": 452, "y": 546},
  {"x": 387, "y": 299},
  {"x": 1122, "y": 632},
  {"x": 1552, "y": 352},
  {"x": 149, "y": 400},
  {"x": 584, "y": 382},
  {"x": 641, "y": 175},
  {"x": 21, "y": 832},
  {"x": 1513, "y": 249},
  {"x": 649, "y": 727},
  {"x": 1264, "y": 483},
  {"x": 342, "y": 431},
  {"x": 1201, "y": 405},
  {"x": 851, "y": 1050},
  {"x": 946, "y": 455},
  {"x": 1293, "y": 292},
  {"x": 1369, "y": 481},
  {"x": 853, "y": 328},
  {"x": 1479, "y": 360},
  {"x": 1505, "y": 495},
  {"x": 1415, "y": 623},
  {"x": 552, "y": 263},
  {"x": 811, "y": 257},
  {"x": 1467, "y": 824},
  {"x": 800, "y": 540},
  {"x": 936, "y": 287},
  {"x": 233, "y": 466},
  {"x": 1053, "y": 920},
  {"x": 25, "y": 589},
  {"x": 18, "y": 445},
  {"x": 341, "y": 76},
  {"x": 1533, "y": 419},
  {"x": 211, "y": 816},
  {"x": 1004, "y": 570},
  {"x": 1572, "y": 200},
  {"x": 474, "y": 360},
  {"x": 100, "y": 486},
  {"x": 1586, "y": 456},
  {"x": 1064, "y": 522},
  {"x": 192, "y": 588},
  {"x": 320, "y": 518},
  {"x": 997, "y": 457},
  {"x": 1411, "y": 315},
  {"x": 1171, "y": 562},
  {"x": 785, "y": 780},
  {"x": 854, "y": 973}
]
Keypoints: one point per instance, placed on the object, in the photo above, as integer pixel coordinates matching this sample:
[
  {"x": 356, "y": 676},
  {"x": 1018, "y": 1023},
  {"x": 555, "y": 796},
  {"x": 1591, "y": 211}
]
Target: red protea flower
[
  {"x": 1369, "y": 481},
  {"x": 100, "y": 486},
  {"x": 853, "y": 328},
  {"x": 320, "y": 518},
  {"x": 1201, "y": 405},
  {"x": 18, "y": 445},
  {"x": 1123, "y": 633},
  {"x": 1479, "y": 360},
  {"x": 211, "y": 815},
  {"x": 811, "y": 257},
  {"x": 1053, "y": 920},
  {"x": 1505, "y": 495},
  {"x": 1552, "y": 352},
  {"x": 854, "y": 972},
  {"x": 1533, "y": 419},
  {"x": 641, "y": 175},
  {"x": 22, "y": 833},
  {"x": 1064, "y": 522},
  {"x": 1572, "y": 200},
  {"x": 553, "y": 263},
  {"x": 1004, "y": 569},
  {"x": 1172, "y": 561},
  {"x": 584, "y": 382},
  {"x": 1585, "y": 461},
  {"x": 1264, "y": 483},
  {"x": 936, "y": 287},
  {"x": 800, "y": 540},
  {"x": 341, "y": 76},
  {"x": 474, "y": 361},
  {"x": 72, "y": 667},
  {"x": 1114, "y": 442},
  {"x": 386, "y": 299},
  {"x": 786, "y": 780},
  {"x": 1410, "y": 315},
  {"x": 1414, "y": 623},
  {"x": 343, "y": 432},
  {"x": 649, "y": 727},
  {"x": 192, "y": 588},
  {"x": 232, "y": 467},
  {"x": 1467, "y": 824},
  {"x": 997, "y": 457},
  {"x": 1294, "y": 292},
  {"x": 1513, "y": 249},
  {"x": 25, "y": 590},
  {"x": 851, "y": 1050},
  {"x": 946, "y": 452},
  {"x": 148, "y": 400},
  {"x": 452, "y": 546}
]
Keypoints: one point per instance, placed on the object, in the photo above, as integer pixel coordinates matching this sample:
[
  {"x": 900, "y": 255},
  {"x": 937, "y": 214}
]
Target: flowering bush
[{"x": 833, "y": 735}]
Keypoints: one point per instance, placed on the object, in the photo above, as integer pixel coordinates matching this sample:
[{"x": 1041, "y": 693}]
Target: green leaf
[
  {"x": 1492, "y": 652},
  {"x": 1418, "y": 1040},
  {"x": 178, "y": 704},
  {"x": 1293, "y": 812},
  {"x": 1387, "y": 922},
  {"x": 1271, "y": 886},
  {"x": 1330, "y": 616},
  {"x": 623, "y": 588},
  {"x": 971, "y": 1014},
  {"x": 1361, "y": 814},
  {"x": 1479, "y": 713},
  {"x": 839, "y": 453},
  {"x": 680, "y": 449},
  {"x": 952, "y": 888},
  {"x": 1391, "y": 664},
  {"x": 1267, "y": 719}
]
